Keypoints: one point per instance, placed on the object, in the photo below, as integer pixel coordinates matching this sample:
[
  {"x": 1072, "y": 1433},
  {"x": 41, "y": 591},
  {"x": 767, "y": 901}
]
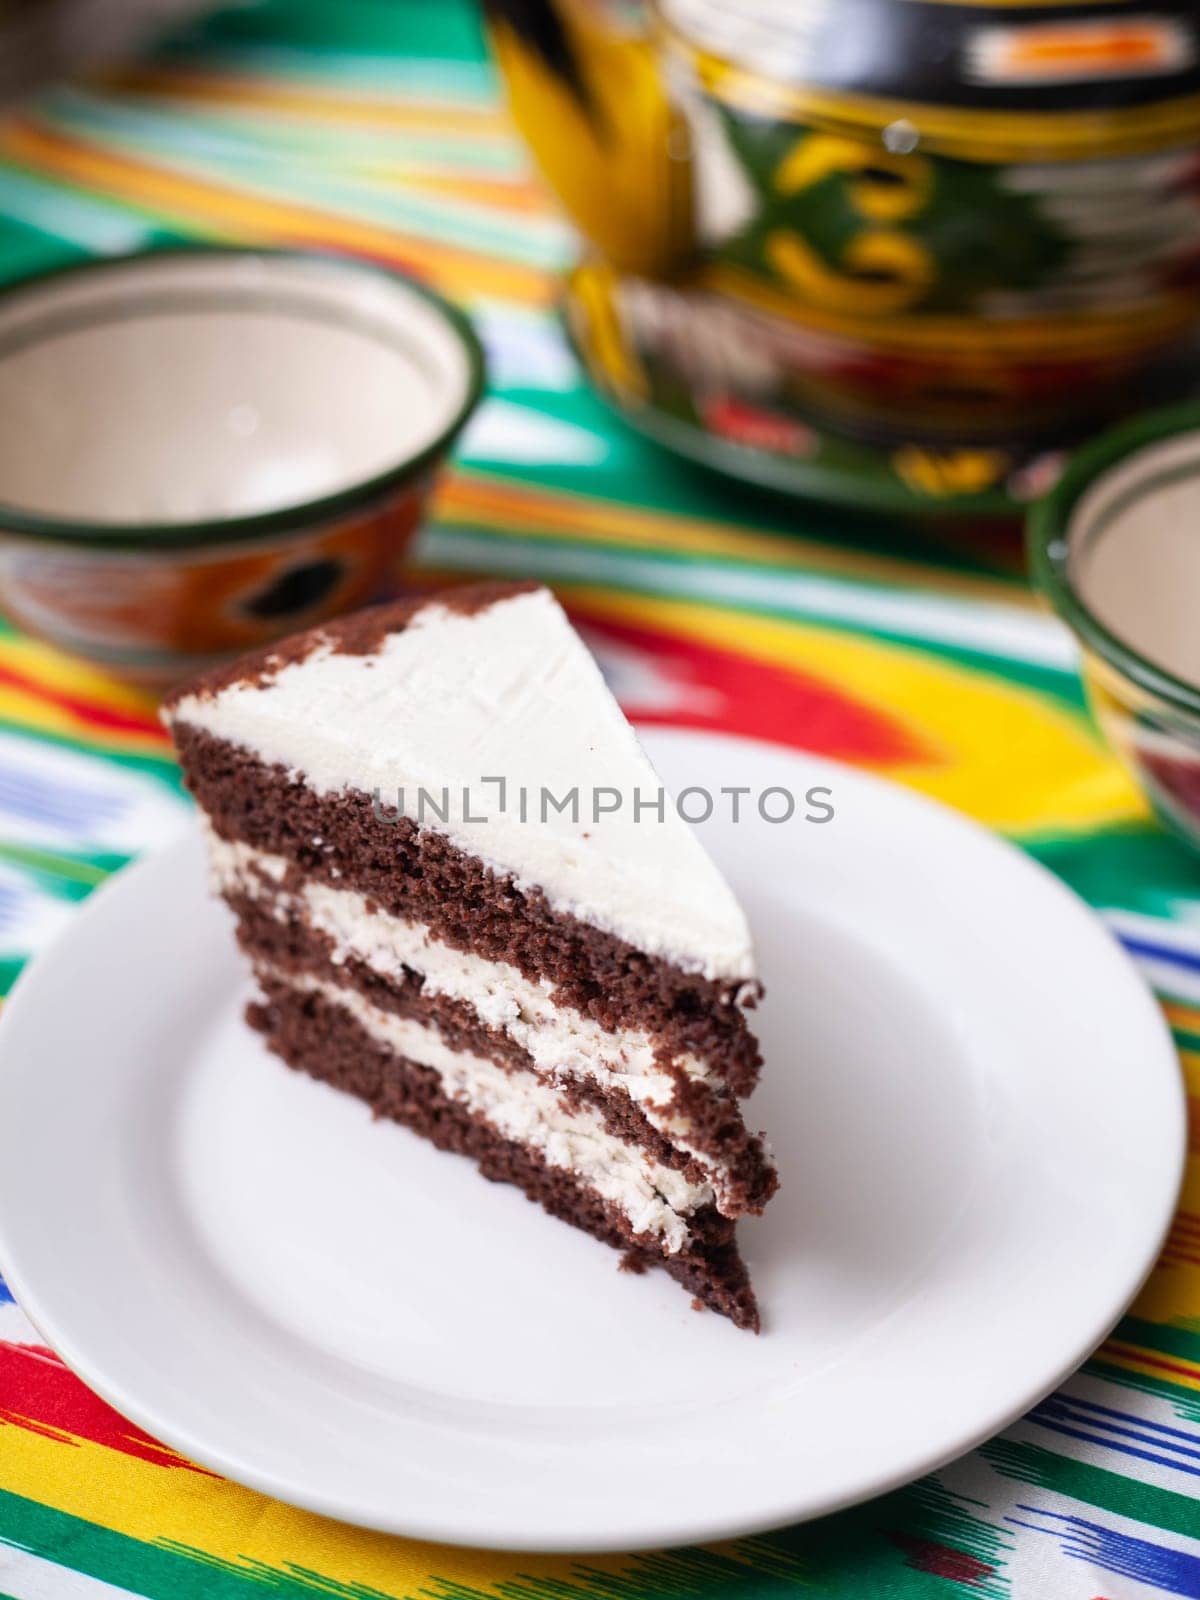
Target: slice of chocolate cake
[{"x": 467, "y": 900}]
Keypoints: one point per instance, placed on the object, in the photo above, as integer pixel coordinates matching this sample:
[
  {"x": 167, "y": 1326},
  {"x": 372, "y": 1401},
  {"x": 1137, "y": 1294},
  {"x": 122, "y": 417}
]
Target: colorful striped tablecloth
[{"x": 374, "y": 126}]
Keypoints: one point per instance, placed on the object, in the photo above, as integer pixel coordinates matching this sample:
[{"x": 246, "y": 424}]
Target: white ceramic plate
[{"x": 977, "y": 1112}]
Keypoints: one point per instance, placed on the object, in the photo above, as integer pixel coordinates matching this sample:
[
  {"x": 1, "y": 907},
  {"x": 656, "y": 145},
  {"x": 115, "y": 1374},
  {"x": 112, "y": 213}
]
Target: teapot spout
[{"x": 588, "y": 99}]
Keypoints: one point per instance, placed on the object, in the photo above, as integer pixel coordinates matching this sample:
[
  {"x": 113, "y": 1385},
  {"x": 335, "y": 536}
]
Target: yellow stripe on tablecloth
[
  {"x": 231, "y": 1524},
  {"x": 1165, "y": 1368},
  {"x": 344, "y": 104},
  {"x": 533, "y": 512},
  {"x": 1006, "y": 755},
  {"x": 223, "y": 212},
  {"x": 515, "y": 196},
  {"x": 65, "y": 673},
  {"x": 1172, "y": 1294},
  {"x": 44, "y": 691},
  {"x": 1186, "y": 1019}
]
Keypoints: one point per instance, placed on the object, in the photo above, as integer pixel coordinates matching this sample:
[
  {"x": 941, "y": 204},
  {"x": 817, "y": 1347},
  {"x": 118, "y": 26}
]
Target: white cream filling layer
[
  {"x": 559, "y": 1039},
  {"x": 561, "y": 1042},
  {"x": 522, "y": 1108}
]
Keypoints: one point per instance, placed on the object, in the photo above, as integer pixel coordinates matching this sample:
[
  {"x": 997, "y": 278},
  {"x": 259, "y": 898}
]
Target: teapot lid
[{"x": 969, "y": 55}]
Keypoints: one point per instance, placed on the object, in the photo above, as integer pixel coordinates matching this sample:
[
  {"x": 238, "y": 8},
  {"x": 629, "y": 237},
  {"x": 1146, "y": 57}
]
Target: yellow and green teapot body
[{"x": 939, "y": 239}]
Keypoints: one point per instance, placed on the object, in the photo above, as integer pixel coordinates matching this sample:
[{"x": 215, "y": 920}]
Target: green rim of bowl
[
  {"x": 1049, "y": 547},
  {"x": 217, "y": 531}
]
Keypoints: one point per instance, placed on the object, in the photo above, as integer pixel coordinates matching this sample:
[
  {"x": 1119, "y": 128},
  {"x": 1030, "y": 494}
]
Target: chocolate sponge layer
[
  {"x": 419, "y": 875},
  {"x": 319, "y": 1037},
  {"x": 272, "y": 931}
]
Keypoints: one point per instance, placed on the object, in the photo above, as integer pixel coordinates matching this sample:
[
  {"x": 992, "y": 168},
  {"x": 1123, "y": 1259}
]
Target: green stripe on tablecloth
[
  {"x": 1095, "y": 1486},
  {"x": 832, "y": 1558},
  {"x": 79, "y": 225},
  {"x": 162, "y": 767},
  {"x": 147, "y": 1569},
  {"x": 330, "y": 36},
  {"x": 1162, "y": 1336},
  {"x": 72, "y": 877},
  {"x": 1185, "y": 1401},
  {"x": 25, "y": 250}
]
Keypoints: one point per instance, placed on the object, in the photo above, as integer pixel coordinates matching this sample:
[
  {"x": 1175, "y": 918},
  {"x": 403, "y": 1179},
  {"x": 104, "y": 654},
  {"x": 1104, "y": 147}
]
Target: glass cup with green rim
[{"x": 1115, "y": 548}]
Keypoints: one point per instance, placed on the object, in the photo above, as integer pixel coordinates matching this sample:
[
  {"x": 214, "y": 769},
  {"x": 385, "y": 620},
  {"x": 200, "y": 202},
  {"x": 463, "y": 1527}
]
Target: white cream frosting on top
[{"x": 508, "y": 692}]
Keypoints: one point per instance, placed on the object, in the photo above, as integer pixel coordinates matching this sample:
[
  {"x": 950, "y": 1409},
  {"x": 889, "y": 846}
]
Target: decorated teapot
[{"x": 894, "y": 251}]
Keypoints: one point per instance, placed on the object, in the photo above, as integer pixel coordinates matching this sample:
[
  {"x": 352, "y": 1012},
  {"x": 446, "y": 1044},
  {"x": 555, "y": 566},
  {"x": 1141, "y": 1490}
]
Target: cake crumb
[{"x": 631, "y": 1261}]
